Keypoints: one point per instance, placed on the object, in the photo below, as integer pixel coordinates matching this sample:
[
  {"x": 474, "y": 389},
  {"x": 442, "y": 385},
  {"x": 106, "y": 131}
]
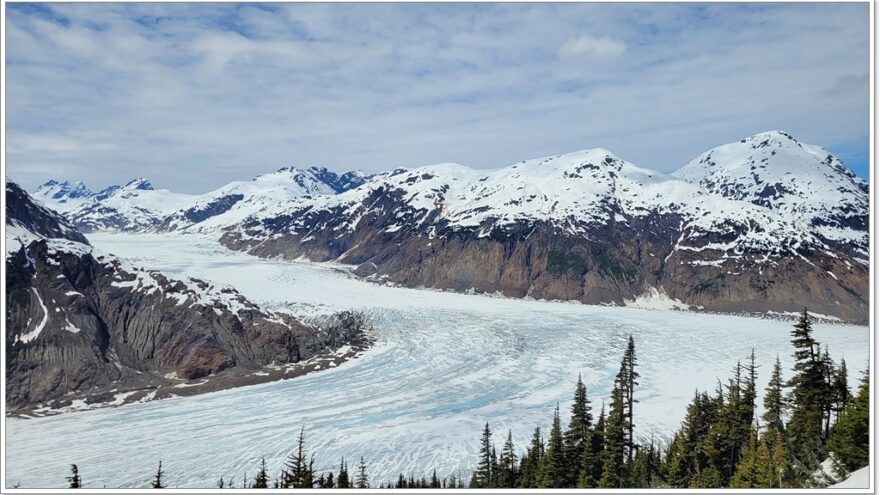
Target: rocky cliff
[{"x": 79, "y": 322}]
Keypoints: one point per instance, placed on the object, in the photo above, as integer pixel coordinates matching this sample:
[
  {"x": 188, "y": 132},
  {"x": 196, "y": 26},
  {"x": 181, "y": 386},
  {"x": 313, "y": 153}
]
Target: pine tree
[
  {"x": 850, "y": 437},
  {"x": 435, "y": 481},
  {"x": 482, "y": 477},
  {"x": 74, "y": 480},
  {"x": 554, "y": 468},
  {"x": 774, "y": 401},
  {"x": 362, "y": 479},
  {"x": 261, "y": 480},
  {"x": 507, "y": 465},
  {"x": 804, "y": 431},
  {"x": 577, "y": 436},
  {"x": 157, "y": 480}
]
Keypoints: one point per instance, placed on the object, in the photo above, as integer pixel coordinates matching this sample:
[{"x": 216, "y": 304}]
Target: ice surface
[{"x": 444, "y": 364}]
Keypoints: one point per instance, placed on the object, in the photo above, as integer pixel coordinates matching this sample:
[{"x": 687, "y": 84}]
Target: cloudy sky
[{"x": 192, "y": 96}]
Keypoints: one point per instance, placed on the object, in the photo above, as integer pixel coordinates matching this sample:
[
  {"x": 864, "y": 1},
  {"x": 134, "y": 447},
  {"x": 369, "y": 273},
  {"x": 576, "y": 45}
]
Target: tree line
[{"x": 721, "y": 442}]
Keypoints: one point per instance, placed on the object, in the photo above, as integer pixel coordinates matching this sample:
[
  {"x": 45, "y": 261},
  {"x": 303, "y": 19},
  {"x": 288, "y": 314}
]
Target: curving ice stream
[{"x": 443, "y": 365}]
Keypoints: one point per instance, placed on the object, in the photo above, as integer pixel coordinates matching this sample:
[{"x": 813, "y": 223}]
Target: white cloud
[
  {"x": 591, "y": 46},
  {"x": 170, "y": 91}
]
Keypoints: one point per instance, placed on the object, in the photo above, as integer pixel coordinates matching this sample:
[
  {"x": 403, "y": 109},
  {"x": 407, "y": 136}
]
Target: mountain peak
[{"x": 138, "y": 184}]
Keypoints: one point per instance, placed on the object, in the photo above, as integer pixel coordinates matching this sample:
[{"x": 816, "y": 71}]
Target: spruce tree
[
  {"x": 343, "y": 481},
  {"x": 531, "y": 462},
  {"x": 74, "y": 481},
  {"x": 629, "y": 383},
  {"x": 577, "y": 436},
  {"x": 554, "y": 468},
  {"x": 841, "y": 395},
  {"x": 482, "y": 477},
  {"x": 774, "y": 400},
  {"x": 614, "y": 455},
  {"x": 157, "y": 480},
  {"x": 804, "y": 431},
  {"x": 261, "y": 480},
  {"x": 507, "y": 465},
  {"x": 850, "y": 437},
  {"x": 297, "y": 470},
  {"x": 362, "y": 479}
]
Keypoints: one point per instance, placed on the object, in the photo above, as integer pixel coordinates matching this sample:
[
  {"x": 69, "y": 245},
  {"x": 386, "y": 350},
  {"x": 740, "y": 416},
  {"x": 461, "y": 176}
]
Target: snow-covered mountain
[
  {"x": 62, "y": 196},
  {"x": 138, "y": 206},
  {"x": 586, "y": 226},
  {"x": 798, "y": 180},
  {"x": 767, "y": 223},
  {"x": 235, "y": 201},
  {"x": 81, "y": 324}
]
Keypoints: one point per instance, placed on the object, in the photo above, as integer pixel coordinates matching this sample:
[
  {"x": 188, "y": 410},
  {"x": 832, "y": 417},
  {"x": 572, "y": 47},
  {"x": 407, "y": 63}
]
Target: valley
[{"x": 443, "y": 364}]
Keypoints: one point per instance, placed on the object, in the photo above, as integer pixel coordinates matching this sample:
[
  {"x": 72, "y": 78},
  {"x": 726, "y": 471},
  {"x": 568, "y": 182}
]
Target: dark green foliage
[
  {"x": 554, "y": 468},
  {"x": 577, "y": 436},
  {"x": 560, "y": 261},
  {"x": 774, "y": 401},
  {"x": 261, "y": 480},
  {"x": 157, "y": 480},
  {"x": 482, "y": 477},
  {"x": 362, "y": 480},
  {"x": 530, "y": 466},
  {"x": 613, "y": 456},
  {"x": 507, "y": 466},
  {"x": 807, "y": 400},
  {"x": 342, "y": 481},
  {"x": 850, "y": 437},
  {"x": 74, "y": 481},
  {"x": 297, "y": 472}
]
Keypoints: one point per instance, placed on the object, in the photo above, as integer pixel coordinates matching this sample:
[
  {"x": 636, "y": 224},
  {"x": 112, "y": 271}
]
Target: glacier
[{"x": 443, "y": 364}]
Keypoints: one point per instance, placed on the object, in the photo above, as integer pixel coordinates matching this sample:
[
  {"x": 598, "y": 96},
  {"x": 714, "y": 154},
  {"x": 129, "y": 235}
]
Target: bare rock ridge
[{"x": 81, "y": 324}]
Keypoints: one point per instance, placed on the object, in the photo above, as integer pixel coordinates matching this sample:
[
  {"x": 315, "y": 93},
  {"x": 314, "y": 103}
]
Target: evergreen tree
[
  {"x": 435, "y": 481},
  {"x": 362, "y": 479},
  {"x": 261, "y": 480},
  {"x": 841, "y": 395},
  {"x": 614, "y": 455},
  {"x": 157, "y": 480},
  {"x": 342, "y": 481},
  {"x": 297, "y": 471},
  {"x": 554, "y": 468},
  {"x": 507, "y": 465},
  {"x": 482, "y": 477},
  {"x": 592, "y": 461},
  {"x": 74, "y": 480},
  {"x": 748, "y": 469},
  {"x": 577, "y": 436},
  {"x": 850, "y": 437},
  {"x": 804, "y": 431},
  {"x": 774, "y": 401},
  {"x": 628, "y": 383},
  {"x": 531, "y": 462}
]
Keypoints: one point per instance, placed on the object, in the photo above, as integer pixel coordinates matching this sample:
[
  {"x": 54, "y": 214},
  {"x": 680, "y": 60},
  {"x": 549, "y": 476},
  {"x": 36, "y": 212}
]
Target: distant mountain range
[
  {"x": 84, "y": 325},
  {"x": 763, "y": 224}
]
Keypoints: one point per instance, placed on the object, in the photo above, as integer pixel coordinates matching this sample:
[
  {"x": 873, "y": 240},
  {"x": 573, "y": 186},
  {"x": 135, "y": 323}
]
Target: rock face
[
  {"x": 590, "y": 227},
  {"x": 79, "y": 321}
]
